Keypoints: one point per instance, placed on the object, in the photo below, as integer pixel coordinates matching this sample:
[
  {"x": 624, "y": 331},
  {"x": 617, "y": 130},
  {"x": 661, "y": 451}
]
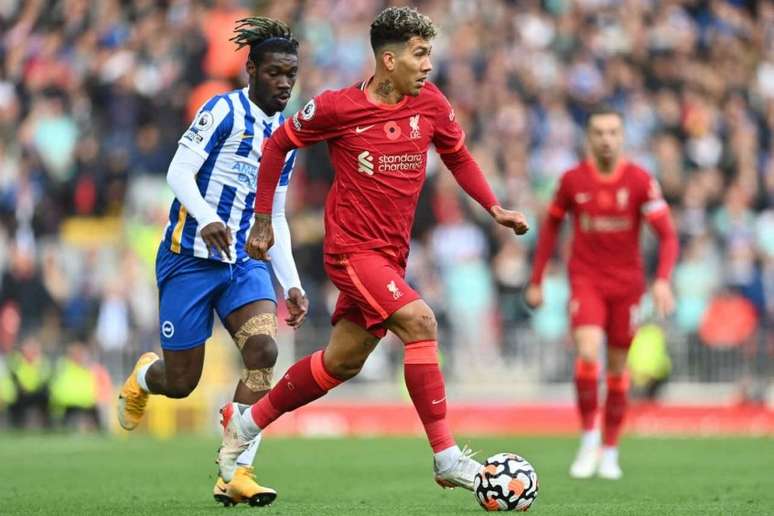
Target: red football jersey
[
  {"x": 607, "y": 212},
  {"x": 379, "y": 154}
]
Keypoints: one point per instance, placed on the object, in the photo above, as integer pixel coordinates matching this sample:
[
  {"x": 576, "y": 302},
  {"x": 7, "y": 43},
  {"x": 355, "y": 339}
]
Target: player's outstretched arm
[
  {"x": 261, "y": 236},
  {"x": 470, "y": 177}
]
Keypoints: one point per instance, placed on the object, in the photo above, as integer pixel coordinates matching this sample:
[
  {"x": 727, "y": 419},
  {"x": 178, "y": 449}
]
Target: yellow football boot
[
  {"x": 132, "y": 399},
  {"x": 243, "y": 488}
]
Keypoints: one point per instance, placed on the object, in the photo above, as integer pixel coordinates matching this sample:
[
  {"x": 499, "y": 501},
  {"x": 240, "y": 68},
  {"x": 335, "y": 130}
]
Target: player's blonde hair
[{"x": 398, "y": 25}]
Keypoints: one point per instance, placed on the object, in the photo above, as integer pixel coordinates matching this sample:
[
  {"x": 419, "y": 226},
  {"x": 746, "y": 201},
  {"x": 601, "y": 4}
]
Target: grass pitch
[{"x": 56, "y": 474}]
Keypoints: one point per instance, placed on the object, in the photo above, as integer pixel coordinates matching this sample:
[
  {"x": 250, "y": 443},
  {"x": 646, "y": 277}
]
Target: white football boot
[
  {"x": 459, "y": 474},
  {"x": 608, "y": 464},
  {"x": 236, "y": 439},
  {"x": 587, "y": 459}
]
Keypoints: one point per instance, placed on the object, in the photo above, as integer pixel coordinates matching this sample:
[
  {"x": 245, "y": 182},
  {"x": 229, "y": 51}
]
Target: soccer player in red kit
[
  {"x": 608, "y": 198},
  {"x": 378, "y": 132}
]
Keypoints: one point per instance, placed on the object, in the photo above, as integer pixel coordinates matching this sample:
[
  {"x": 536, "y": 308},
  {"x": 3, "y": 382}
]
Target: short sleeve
[
  {"x": 315, "y": 122},
  {"x": 654, "y": 202},
  {"x": 561, "y": 202},
  {"x": 448, "y": 136},
  {"x": 211, "y": 126}
]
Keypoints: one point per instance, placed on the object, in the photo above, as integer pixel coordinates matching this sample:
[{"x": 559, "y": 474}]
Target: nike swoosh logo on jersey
[
  {"x": 436, "y": 402},
  {"x": 582, "y": 198},
  {"x": 359, "y": 130}
]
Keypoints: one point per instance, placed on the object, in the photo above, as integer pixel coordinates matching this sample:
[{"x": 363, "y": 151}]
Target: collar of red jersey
[{"x": 607, "y": 178}]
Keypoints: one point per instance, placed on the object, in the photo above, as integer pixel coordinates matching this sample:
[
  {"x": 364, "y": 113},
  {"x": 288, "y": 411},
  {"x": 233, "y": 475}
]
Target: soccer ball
[{"x": 506, "y": 482}]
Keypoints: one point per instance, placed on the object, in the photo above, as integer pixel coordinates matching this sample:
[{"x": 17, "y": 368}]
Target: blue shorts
[{"x": 190, "y": 288}]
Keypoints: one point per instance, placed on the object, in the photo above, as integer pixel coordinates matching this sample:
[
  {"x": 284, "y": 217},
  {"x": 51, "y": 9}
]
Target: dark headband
[{"x": 274, "y": 39}]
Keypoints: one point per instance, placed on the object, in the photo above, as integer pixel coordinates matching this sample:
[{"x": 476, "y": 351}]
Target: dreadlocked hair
[
  {"x": 264, "y": 35},
  {"x": 398, "y": 25}
]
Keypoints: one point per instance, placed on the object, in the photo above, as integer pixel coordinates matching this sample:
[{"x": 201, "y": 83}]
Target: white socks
[
  {"x": 445, "y": 459},
  {"x": 609, "y": 453},
  {"x": 590, "y": 439},
  {"x": 141, "y": 376},
  {"x": 248, "y": 456},
  {"x": 246, "y": 415}
]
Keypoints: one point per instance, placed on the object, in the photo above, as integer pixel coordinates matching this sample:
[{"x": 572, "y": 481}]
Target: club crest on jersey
[
  {"x": 167, "y": 329},
  {"x": 394, "y": 290},
  {"x": 622, "y": 198},
  {"x": 414, "y": 125}
]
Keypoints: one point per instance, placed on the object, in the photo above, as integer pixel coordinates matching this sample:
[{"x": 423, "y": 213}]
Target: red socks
[
  {"x": 304, "y": 382},
  {"x": 615, "y": 408},
  {"x": 307, "y": 380},
  {"x": 425, "y": 385},
  {"x": 586, "y": 378}
]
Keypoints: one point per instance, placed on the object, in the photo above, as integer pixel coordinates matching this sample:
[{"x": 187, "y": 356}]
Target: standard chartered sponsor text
[{"x": 400, "y": 162}]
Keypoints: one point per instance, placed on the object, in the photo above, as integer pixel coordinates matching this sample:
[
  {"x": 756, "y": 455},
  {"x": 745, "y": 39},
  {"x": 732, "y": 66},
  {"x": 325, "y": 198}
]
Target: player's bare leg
[
  {"x": 416, "y": 326},
  {"x": 307, "y": 380},
  {"x": 588, "y": 341},
  {"x": 615, "y": 410},
  {"x": 253, "y": 328},
  {"x": 175, "y": 376}
]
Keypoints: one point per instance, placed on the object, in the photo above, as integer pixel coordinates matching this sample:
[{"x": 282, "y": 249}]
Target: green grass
[{"x": 44, "y": 474}]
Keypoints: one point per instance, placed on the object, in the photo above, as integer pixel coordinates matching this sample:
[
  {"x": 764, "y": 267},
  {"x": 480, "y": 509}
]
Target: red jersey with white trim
[
  {"x": 379, "y": 154},
  {"x": 607, "y": 217}
]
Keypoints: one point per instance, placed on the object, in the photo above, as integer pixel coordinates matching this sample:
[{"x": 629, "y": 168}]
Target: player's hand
[
  {"x": 510, "y": 219},
  {"x": 217, "y": 235},
  {"x": 533, "y": 296},
  {"x": 298, "y": 306},
  {"x": 261, "y": 238},
  {"x": 663, "y": 299}
]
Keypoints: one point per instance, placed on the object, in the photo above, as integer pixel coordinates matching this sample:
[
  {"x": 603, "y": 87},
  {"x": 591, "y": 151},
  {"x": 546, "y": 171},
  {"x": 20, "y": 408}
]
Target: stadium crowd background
[{"x": 94, "y": 95}]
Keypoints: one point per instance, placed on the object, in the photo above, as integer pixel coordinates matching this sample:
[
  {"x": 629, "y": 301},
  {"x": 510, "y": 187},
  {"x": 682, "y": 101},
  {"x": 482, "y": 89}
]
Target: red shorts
[
  {"x": 615, "y": 313},
  {"x": 371, "y": 288}
]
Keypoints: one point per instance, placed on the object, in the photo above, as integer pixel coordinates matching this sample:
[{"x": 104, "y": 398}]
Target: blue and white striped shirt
[{"x": 229, "y": 132}]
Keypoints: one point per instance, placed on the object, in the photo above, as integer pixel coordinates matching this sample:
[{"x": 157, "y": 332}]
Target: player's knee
[
  {"x": 258, "y": 331},
  {"x": 420, "y": 324},
  {"x": 260, "y": 351},
  {"x": 616, "y": 360},
  {"x": 589, "y": 355},
  {"x": 180, "y": 389},
  {"x": 346, "y": 368}
]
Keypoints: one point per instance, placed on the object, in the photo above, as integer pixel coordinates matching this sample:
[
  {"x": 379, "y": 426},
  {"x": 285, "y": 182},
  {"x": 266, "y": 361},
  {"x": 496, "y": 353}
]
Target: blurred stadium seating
[{"x": 94, "y": 95}]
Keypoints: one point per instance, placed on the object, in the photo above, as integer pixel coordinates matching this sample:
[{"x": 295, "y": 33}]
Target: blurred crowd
[{"x": 94, "y": 95}]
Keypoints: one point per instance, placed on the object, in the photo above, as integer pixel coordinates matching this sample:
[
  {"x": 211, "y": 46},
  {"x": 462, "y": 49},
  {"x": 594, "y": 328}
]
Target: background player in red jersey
[
  {"x": 378, "y": 132},
  {"x": 608, "y": 197}
]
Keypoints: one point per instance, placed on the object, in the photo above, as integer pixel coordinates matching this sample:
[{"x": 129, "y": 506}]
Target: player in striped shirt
[{"x": 201, "y": 263}]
